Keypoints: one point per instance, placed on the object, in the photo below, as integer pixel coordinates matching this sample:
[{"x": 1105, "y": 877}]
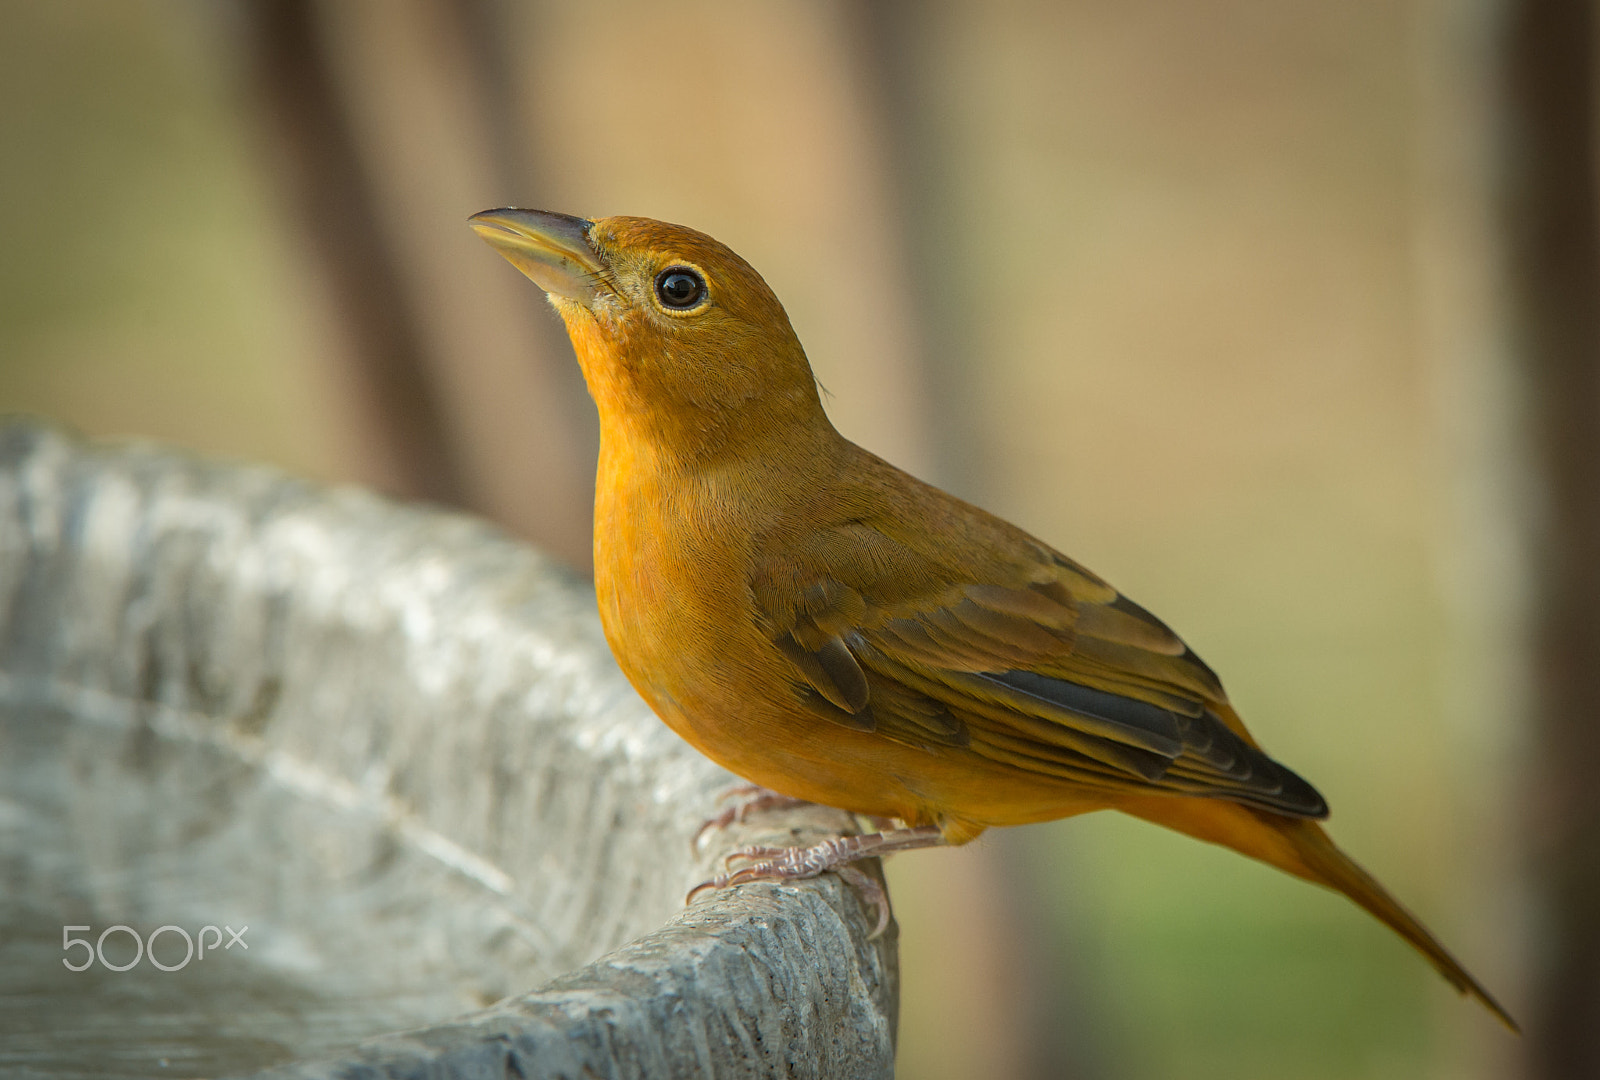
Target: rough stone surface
[{"x": 393, "y": 741}]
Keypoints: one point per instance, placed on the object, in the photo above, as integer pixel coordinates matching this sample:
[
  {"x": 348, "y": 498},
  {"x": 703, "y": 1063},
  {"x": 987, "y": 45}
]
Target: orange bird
[{"x": 838, "y": 631}]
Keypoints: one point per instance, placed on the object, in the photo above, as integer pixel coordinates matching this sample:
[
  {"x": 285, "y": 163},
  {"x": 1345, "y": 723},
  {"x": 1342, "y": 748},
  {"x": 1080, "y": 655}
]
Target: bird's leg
[
  {"x": 837, "y": 855},
  {"x": 749, "y": 799}
]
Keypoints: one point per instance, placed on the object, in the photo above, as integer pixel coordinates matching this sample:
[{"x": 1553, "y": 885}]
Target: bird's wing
[{"x": 1047, "y": 669}]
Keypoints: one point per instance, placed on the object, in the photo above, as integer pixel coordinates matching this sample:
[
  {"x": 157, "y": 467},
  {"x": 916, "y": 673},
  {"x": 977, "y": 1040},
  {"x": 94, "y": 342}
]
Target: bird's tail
[
  {"x": 1302, "y": 848},
  {"x": 1331, "y": 867}
]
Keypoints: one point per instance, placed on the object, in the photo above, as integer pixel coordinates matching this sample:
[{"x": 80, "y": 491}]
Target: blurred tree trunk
[
  {"x": 319, "y": 164},
  {"x": 893, "y": 51},
  {"x": 1028, "y": 1017},
  {"x": 1554, "y": 246},
  {"x": 391, "y": 122}
]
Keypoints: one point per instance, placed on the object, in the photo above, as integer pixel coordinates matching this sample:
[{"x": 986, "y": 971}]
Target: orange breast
[{"x": 678, "y": 614}]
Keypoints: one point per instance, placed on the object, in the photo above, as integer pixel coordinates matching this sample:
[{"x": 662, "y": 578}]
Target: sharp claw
[
  {"x": 720, "y": 820},
  {"x": 755, "y": 852},
  {"x": 754, "y": 798},
  {"x": 754, "y": 872},
  {"x": 759, "y": 871},
  {"x": 871, "y": 893}
]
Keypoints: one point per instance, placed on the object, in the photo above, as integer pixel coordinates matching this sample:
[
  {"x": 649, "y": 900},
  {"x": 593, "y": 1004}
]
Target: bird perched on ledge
[{"x": 833, "y": 629}]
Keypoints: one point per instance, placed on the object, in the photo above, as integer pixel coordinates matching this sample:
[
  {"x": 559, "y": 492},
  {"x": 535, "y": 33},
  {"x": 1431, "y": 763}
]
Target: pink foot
[{"x": 836, "y": 855}]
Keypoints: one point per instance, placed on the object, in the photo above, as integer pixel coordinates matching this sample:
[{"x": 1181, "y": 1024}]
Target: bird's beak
[{"x": 552, "y": 249}]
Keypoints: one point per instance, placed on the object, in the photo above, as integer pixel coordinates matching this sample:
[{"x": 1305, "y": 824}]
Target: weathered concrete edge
[
  {"x": 763, "y": 981},
  {"x": 792, "y": 1001}
]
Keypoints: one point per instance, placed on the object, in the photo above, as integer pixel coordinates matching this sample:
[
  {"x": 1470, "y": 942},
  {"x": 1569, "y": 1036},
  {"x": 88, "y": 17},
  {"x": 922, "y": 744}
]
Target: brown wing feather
[{"x": 1052, "y": 671}]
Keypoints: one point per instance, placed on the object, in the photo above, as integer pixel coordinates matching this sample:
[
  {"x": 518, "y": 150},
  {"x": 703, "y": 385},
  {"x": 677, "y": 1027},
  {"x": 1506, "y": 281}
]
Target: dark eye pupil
[{"x": 679, "y": 287}]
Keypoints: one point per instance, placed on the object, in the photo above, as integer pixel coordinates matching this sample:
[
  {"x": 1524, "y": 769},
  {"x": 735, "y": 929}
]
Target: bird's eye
[{"x": 680, "y": 287}]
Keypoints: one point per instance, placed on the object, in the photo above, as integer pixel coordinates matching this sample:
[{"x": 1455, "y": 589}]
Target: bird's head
[{"x": 679, "y": 338}]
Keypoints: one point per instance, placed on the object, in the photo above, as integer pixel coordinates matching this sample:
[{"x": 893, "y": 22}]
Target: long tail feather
[
  {"x": 1336, "y": 870},
  {"x": 1302, "y": 848}
]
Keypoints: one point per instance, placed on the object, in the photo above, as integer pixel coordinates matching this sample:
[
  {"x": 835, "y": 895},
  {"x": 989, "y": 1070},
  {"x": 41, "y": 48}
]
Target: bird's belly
[
  {"x": 679, "y": 620},
  {"x": 678, "y": 651},
  {"x": 747, "y": 717}
]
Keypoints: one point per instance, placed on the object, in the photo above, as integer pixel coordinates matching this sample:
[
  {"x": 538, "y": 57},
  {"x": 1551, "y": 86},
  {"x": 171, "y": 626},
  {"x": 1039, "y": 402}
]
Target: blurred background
[{"x": 1280, "y": 316}]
